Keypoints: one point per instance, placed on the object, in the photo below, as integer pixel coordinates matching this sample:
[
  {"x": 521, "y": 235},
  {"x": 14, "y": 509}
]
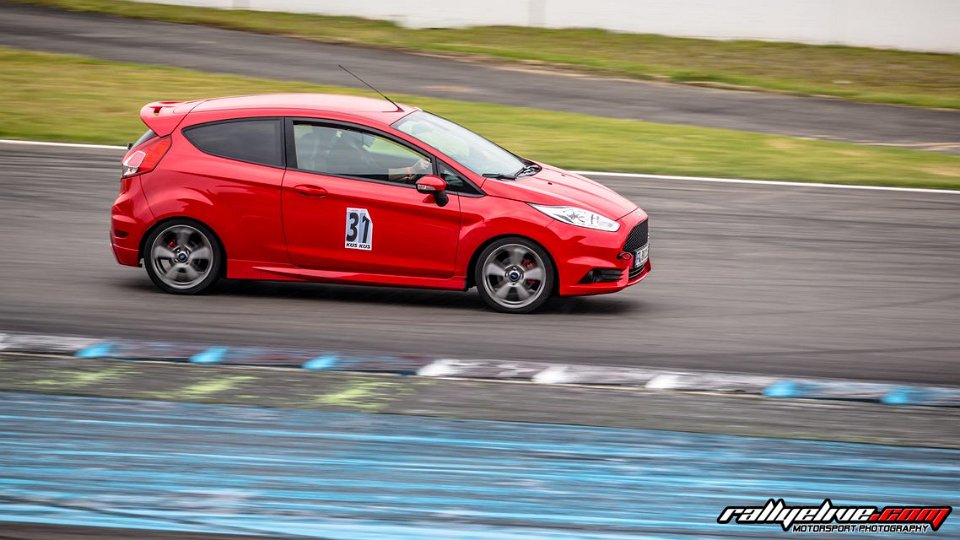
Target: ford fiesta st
[{"x": 311, "y": 187}]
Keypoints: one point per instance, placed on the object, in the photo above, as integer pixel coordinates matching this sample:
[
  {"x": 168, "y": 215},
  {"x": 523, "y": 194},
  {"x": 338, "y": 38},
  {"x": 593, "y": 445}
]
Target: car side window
[
  {"x": 255, "y": 140},
  {"x": 340, "y": 151},
  {"x": 455, "y": 181}
]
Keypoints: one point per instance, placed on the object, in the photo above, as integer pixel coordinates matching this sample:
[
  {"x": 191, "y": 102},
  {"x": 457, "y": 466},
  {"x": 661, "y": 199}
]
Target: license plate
[{"x": 640, "y": 256}]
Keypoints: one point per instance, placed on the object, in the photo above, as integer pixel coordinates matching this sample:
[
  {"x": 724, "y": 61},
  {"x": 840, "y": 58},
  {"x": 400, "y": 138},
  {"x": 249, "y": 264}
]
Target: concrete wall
[{"x": 923, "y": 25}]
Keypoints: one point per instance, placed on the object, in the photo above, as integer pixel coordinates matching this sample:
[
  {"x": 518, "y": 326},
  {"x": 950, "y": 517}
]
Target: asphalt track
[
  {"x": 204, "y": 468},
  {"x": 780, "y": 280},
  {"x": 216, "y": 50}
]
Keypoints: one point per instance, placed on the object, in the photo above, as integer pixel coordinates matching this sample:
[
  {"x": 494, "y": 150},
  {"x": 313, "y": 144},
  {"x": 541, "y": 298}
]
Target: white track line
[
  {"x": 63, "y": 145},
  {"x": 765, "y": 182},
  {"x": 602, "y": 173}
]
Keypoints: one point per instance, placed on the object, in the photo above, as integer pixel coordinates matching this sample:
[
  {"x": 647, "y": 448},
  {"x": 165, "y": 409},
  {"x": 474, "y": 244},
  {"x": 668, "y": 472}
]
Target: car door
[{"x": 350, "y": 204}]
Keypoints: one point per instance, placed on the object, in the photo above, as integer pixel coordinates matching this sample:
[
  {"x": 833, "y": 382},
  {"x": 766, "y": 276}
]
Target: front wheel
[
  {"x": 183, "y": 257},
  {"x": 514, "y": 275}
]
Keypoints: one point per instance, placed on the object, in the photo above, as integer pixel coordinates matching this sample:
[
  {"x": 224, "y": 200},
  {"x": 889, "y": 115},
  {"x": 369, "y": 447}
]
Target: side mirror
[
  {"x": 436, "y": 186},
  {"x": 431, "y": 184}
]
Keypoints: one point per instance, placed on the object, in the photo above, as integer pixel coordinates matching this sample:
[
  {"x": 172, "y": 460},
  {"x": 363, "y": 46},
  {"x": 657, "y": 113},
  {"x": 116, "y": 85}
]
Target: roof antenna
[{"x": 392, "y": 102}]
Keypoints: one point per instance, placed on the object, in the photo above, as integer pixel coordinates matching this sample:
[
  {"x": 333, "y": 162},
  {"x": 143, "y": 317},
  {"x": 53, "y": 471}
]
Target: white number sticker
[{"x": 359, "y": 229}]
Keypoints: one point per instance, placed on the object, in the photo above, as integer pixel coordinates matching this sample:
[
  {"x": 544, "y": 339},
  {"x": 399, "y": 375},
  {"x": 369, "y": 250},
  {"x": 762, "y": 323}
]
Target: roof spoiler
[{"x": 162, "y": 117}]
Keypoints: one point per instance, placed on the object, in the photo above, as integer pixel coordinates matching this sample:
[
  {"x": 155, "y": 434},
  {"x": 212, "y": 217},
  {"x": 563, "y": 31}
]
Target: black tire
[
  {"x": 527, "y": 270},
  {"x": 183, "y": 237}
]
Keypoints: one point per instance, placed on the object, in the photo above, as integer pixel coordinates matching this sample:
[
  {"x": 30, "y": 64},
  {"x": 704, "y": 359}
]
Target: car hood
[{"x": 556, "y": 187}]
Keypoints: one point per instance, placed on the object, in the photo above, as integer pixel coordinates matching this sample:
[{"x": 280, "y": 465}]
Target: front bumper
[{"x": 581, "y": 251}]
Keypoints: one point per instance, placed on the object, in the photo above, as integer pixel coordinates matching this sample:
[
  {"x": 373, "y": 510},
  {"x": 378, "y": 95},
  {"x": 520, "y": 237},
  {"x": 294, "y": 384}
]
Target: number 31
[{"x": 358, "y": 226}]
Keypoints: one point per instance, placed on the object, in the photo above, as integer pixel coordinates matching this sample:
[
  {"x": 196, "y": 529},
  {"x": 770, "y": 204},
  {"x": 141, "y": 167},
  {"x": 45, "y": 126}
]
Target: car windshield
[{"x": 469, "y": 149}]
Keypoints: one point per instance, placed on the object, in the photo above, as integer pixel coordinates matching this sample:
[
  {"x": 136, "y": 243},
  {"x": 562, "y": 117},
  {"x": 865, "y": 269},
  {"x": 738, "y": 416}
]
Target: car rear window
[
  {"x": 257, "y": 140},
  {"x": 144, "y": 138}
]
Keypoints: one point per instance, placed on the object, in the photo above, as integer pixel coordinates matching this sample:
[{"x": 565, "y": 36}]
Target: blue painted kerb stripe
[
  {"x": 784, "y": 389},
  {"x": 100, "y": 349},
  {"x": 903, "y": 396},
  {"x": 908, "y": 395},
  {"x": 213, "y": 355},
  {"x": 321, "y": 363}
]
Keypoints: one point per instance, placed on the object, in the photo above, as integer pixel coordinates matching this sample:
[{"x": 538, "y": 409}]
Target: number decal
[
  {"x": 351, "y": 227},
  {"x": 359, "y": 229}
]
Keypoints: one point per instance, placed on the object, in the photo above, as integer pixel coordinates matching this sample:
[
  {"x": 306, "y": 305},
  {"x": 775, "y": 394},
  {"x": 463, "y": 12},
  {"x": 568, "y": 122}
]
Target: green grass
[
  {"x": 72, "y": 98},
  {"x": 861, "y": 74}
]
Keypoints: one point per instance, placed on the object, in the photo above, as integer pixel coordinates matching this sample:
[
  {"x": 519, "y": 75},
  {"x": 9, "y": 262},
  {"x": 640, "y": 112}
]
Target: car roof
[{"x": 378, "y": 110}]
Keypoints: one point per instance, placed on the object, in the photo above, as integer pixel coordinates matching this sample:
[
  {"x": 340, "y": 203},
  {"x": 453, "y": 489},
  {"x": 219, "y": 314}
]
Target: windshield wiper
[{"x": 528, "y": 169}]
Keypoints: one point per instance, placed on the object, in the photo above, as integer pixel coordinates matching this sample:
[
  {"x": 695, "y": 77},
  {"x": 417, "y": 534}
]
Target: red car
[{"x": 310, "y": 187}]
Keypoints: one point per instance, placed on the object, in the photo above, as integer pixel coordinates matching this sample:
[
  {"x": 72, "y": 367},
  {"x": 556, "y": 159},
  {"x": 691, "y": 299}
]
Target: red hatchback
[{"x": 311, "y": 187}]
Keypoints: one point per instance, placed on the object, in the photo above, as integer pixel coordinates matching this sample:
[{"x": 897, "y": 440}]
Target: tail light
[{"x": 146, "y": 157}]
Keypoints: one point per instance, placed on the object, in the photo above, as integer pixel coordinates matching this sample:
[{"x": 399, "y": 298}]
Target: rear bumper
[
  {"x": 580, "y": 251},
  {"x": 125, "y": 235},
  {"x": 129, "y": 217},
  {"x": 126, "y": 256}
]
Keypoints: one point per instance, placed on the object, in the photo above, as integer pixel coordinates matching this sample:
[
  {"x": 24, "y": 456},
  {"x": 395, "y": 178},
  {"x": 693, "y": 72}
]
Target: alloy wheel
[
  {"x": 182, "y": 256},
  {"x": 514, "y": 276}
]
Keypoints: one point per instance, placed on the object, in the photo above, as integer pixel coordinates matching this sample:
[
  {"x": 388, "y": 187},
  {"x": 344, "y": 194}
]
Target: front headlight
[{"x": 579, "y": 217}]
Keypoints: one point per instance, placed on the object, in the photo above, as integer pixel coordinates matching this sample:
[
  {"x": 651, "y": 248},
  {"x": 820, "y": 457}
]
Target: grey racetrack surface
[
  {"x": 242, "y": 53},
  {"x": 768, "y": 279}
]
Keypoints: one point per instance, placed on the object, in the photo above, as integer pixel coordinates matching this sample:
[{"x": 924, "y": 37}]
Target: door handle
[{"x": 310, "y": 191}]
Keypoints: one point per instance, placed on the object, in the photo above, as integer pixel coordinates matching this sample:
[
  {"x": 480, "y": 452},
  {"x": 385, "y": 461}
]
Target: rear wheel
[
  {"x": 183, "y": 257},
  {"x": 514, "y": 275}
]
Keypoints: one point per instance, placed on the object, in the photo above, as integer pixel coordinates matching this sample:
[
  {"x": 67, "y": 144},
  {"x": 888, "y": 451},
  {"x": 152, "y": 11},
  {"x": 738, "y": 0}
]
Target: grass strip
[
  {"x": 854, "y": 73},
  {"x": 58, "y": 97}
]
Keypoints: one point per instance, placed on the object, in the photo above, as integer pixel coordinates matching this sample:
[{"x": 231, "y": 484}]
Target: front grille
[{"x": 638, "y": 237}]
